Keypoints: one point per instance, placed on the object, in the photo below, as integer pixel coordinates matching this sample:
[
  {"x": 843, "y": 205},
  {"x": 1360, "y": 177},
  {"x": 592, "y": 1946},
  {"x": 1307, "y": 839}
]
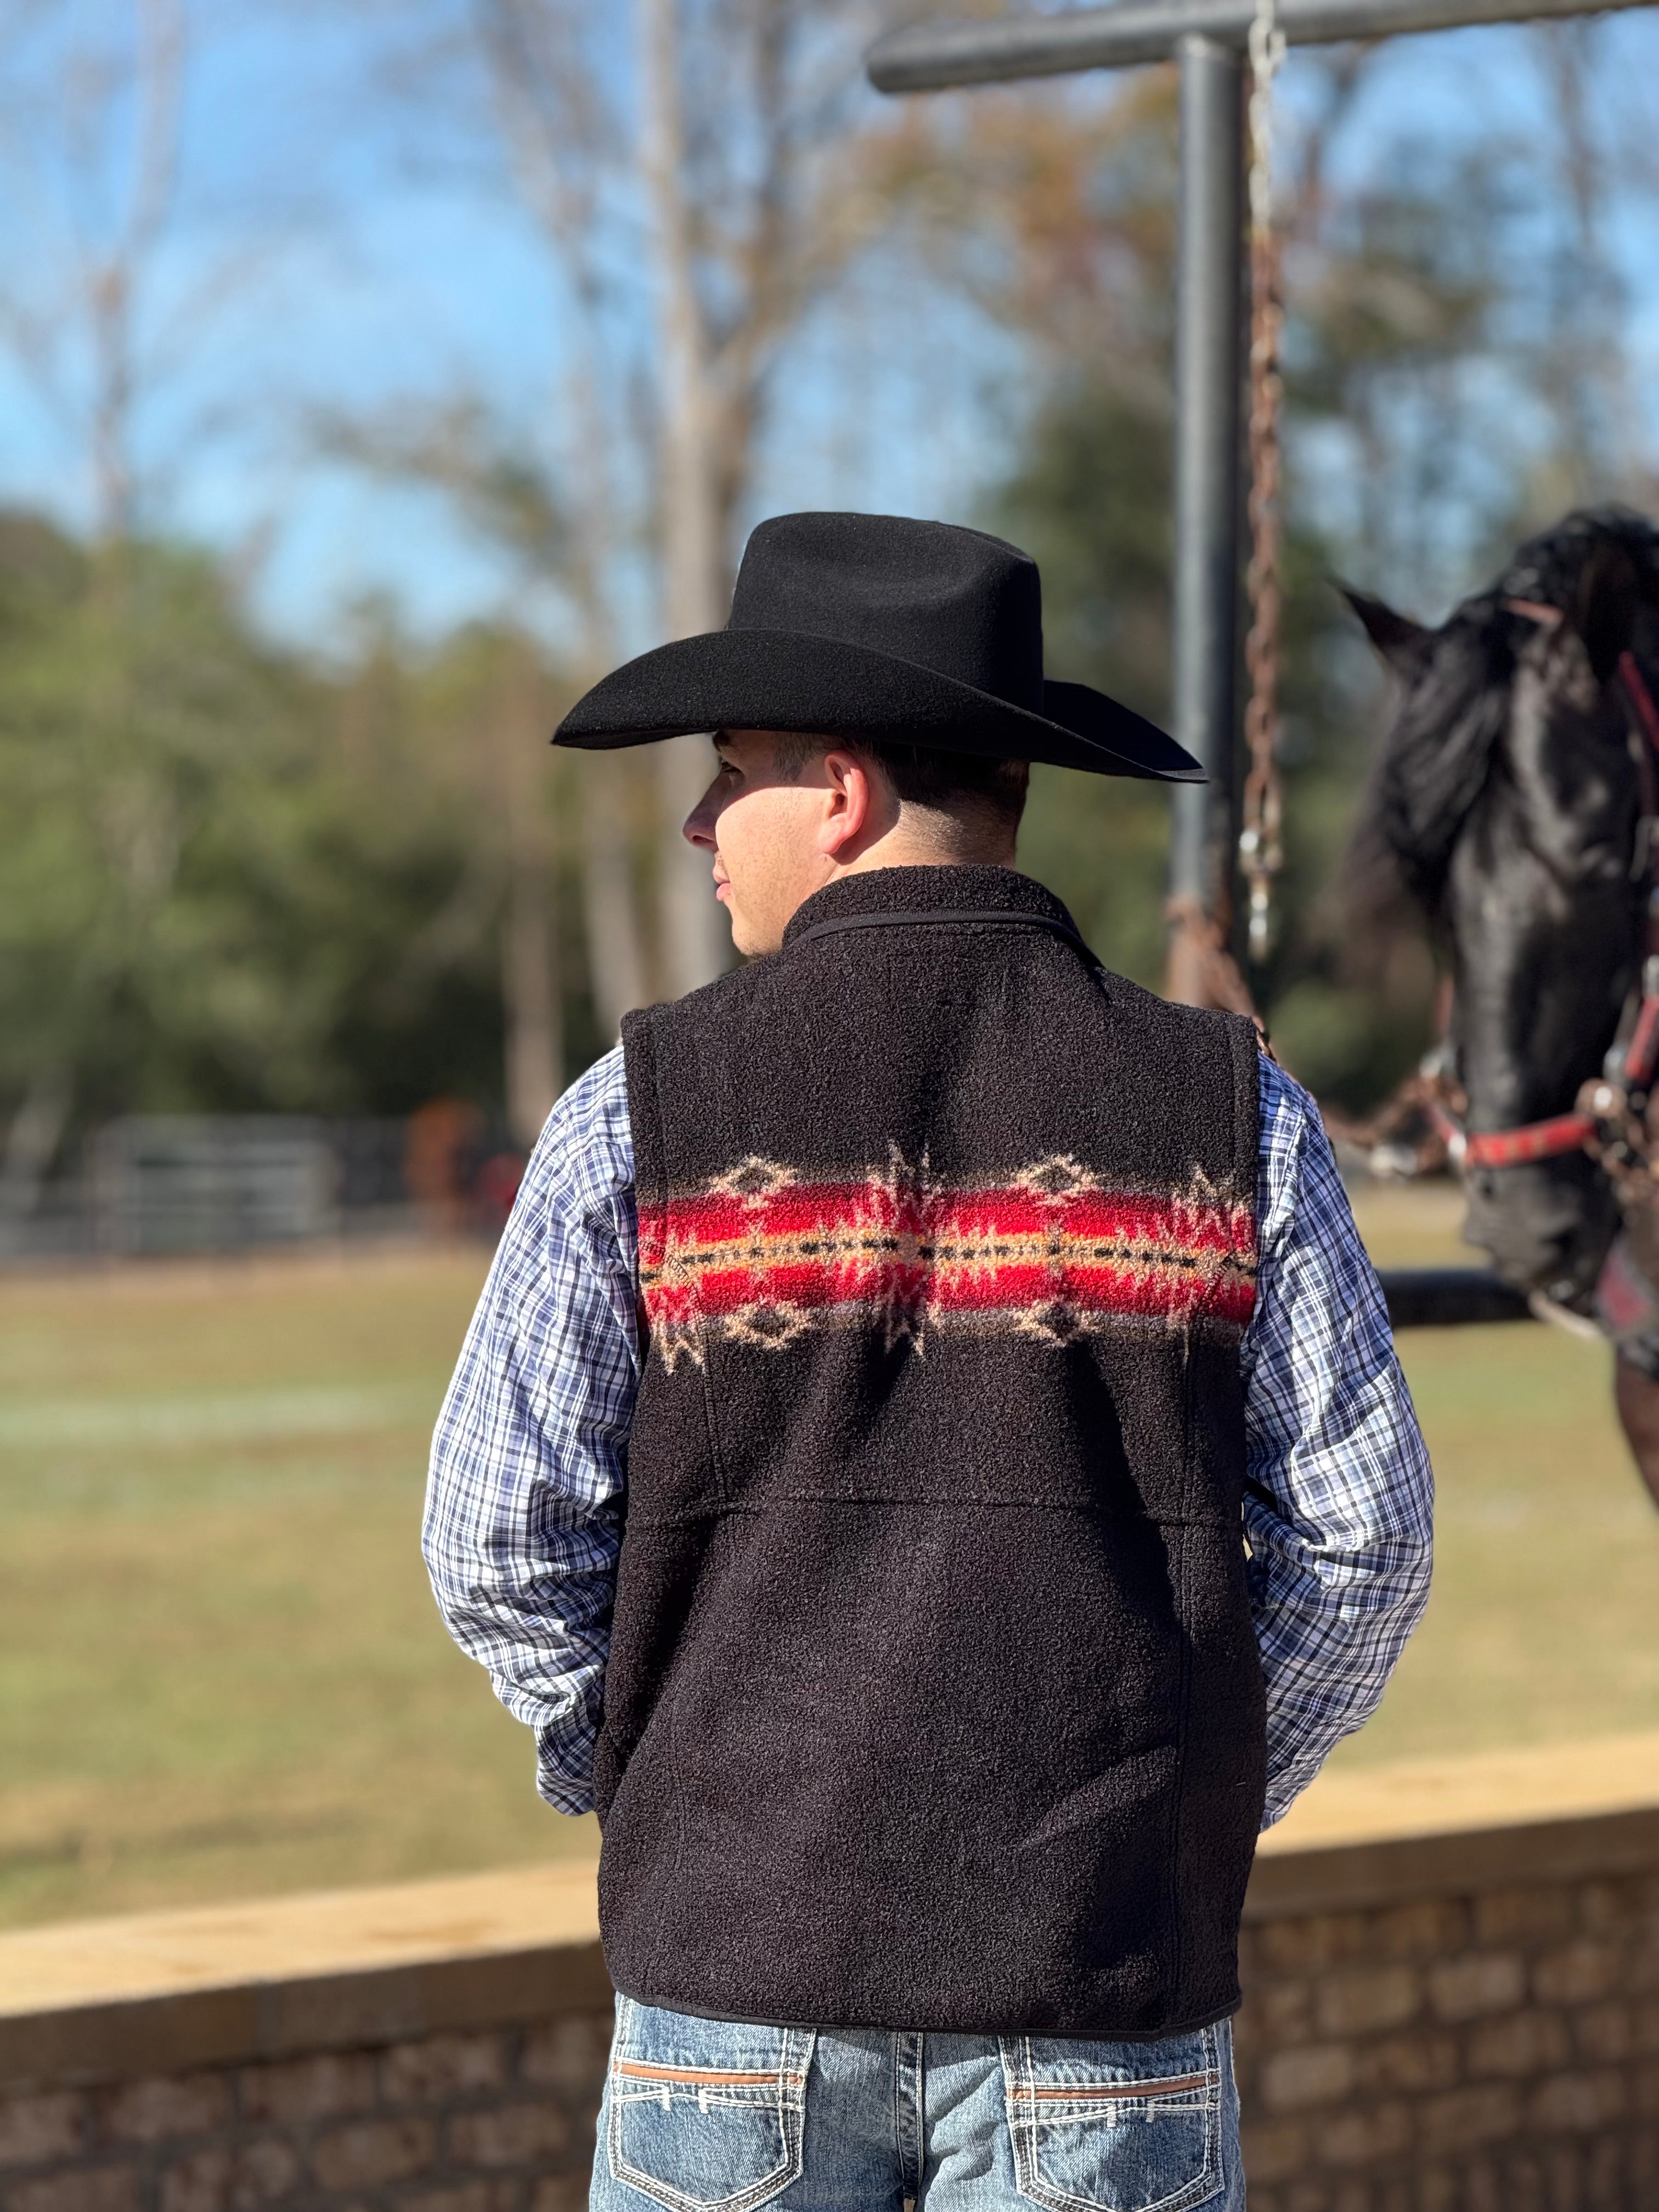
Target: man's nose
[{"x": 698, "y": 827}]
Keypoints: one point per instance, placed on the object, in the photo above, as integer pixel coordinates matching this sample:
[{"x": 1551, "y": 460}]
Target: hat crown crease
[{"x": 953, "y": 600}]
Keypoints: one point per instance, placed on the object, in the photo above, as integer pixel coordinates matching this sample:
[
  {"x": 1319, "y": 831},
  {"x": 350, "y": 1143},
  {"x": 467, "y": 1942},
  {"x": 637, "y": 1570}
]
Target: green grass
[
  {"x": 220, "y": 1671},
  {"x": 1544, "y": 1620}
]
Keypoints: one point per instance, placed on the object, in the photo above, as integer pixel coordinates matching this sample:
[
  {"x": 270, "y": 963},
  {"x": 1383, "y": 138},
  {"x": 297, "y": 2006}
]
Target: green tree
[
  {"x": 236, "y": 881},
  {"x": 1090, "y": 500}
]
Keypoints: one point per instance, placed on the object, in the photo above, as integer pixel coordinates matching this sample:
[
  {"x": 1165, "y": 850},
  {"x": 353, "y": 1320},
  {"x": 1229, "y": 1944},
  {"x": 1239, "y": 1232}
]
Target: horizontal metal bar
[
  {"x": 1450, "y": 1297},
  {"x": 932, "y": 56}
]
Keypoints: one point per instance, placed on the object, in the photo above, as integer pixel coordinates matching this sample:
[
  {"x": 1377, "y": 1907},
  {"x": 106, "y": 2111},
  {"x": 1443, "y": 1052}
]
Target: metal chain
[{"x": 1260, "y": 851}]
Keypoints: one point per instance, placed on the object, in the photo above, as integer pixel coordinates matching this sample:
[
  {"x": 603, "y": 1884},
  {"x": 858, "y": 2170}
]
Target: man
[{"x": 849, "y": 1470}]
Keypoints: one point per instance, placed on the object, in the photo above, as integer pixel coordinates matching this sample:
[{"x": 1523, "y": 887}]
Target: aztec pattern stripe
[{"x": 761, "y": 1254}]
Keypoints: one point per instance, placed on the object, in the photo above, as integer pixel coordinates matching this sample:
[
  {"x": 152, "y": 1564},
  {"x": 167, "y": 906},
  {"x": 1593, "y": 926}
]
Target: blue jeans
[{"x": 712, "y": 2116}]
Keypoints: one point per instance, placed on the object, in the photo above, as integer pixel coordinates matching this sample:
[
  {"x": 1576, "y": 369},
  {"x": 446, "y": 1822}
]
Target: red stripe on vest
[{"x": 761, "y": 1254}]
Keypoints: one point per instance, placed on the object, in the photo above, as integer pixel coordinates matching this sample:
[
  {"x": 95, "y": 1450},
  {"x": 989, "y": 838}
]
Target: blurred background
[{"x": 372, "y": 379}]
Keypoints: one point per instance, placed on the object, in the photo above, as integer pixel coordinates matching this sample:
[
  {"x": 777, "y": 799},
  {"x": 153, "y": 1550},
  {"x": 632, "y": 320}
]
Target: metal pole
[
  {"x": 930, "y": 56},
  {"x": 1208, "y": 373}
]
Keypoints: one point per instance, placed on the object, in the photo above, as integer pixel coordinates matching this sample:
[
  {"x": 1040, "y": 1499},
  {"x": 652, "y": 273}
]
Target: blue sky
[{"x": 370, "y": 253}]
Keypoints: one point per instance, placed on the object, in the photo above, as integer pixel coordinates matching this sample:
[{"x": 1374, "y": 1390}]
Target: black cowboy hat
[{"x": 872, "y": 625}]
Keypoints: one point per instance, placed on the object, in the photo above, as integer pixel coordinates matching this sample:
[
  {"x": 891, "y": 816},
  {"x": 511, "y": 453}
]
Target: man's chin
[{"x": 750, "y": 941}]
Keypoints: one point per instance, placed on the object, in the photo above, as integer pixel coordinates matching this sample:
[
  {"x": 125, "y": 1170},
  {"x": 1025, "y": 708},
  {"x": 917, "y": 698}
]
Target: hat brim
[{"x": 774, "y": 679}]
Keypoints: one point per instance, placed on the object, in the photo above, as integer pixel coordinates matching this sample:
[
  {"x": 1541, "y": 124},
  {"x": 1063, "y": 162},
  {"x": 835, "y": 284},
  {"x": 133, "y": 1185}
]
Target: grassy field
[
  {"x": 221, "y": 1671},
  {"x": 220, "y": 1668}
]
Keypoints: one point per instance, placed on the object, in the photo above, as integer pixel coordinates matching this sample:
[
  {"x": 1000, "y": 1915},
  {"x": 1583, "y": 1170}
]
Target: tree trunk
[
  {"x": 696, "y": 947},
  {"x": 530, "y": 991},
  {"x": 611, "y": 913},
  {"x": 32, "y": 1141}
]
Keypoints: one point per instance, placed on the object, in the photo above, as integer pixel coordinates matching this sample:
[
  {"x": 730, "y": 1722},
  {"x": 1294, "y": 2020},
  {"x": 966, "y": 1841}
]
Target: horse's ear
[
  {"x": 1396, "y": 637},
  {"x": 1604, "y": 601}
]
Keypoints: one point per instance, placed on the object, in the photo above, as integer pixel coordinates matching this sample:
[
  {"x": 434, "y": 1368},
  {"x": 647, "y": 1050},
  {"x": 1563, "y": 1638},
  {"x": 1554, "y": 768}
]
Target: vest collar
[{"x": 927, "y": 890}]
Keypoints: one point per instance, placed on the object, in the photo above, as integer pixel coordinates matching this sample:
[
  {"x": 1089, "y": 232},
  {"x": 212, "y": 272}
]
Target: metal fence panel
[{"x": 179, "y": 1183}]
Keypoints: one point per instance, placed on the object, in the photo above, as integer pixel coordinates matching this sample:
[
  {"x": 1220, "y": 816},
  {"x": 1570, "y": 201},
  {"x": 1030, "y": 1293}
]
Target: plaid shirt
[{"x": 524, "y": 1506}]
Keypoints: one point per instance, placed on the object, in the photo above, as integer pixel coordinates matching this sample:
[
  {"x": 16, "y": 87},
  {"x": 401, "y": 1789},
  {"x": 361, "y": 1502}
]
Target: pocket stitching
[
  {"x": 789, "y": 2082},
  {"x": 1019, "y": 2088},
  {"x": 1166, "y": 2089},
  {"x": 701, "y": 2078}
]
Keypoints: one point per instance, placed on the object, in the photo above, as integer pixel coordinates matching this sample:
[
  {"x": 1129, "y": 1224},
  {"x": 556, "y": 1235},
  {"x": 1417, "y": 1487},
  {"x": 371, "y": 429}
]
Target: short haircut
[{"x": 922, "y": 776}]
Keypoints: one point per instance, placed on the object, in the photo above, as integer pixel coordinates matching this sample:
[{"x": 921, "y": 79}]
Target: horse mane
[
  {"x": 1548, "y": 568},
  {"x": 1435, "y": 760}
]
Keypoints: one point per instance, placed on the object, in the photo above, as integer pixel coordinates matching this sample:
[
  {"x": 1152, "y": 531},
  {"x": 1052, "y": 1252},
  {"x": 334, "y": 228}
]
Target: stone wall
[
  {"x": 1495, "y": 2049},
  {"x": 490, "y": 2122},
  {"x": 1452, "y": 2005},
  {"x": 436, "y": 2047}
]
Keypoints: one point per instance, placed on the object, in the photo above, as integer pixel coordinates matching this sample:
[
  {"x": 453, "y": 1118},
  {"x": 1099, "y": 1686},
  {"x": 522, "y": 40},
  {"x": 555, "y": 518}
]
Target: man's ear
[
  {"x": 849, "y": 781},
  {"x": 1399, "y": 639}
]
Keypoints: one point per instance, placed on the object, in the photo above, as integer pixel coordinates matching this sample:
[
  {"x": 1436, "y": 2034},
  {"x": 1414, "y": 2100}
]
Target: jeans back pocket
[
  {"x": 1116, "y": 2127},
  {"x": 705, "y": 2115}
]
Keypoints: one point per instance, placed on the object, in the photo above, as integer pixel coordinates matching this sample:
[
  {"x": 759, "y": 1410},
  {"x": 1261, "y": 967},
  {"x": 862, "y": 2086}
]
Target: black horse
[{"x": 1511, "y": 800}]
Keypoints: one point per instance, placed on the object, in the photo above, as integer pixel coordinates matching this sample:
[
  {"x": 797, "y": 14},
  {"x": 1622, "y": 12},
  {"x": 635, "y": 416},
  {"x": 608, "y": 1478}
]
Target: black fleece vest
[{"x": 932, "y": 1699}]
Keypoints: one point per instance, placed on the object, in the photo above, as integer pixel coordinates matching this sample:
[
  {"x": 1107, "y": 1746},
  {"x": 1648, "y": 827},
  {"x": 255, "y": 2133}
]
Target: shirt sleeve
[
  {"x": 528, "y": 1477},
  {"x": 1339, "y": 1494}
]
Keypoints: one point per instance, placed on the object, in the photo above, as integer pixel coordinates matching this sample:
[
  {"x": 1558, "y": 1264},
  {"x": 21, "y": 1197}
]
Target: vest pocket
[
  {"x": 705, "y": 2115},
  {"x": 1115, "y": 2127}
]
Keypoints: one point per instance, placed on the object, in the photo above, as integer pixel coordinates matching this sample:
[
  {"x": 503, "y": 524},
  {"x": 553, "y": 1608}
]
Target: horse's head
[{"x": 1508, "y": 796}]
